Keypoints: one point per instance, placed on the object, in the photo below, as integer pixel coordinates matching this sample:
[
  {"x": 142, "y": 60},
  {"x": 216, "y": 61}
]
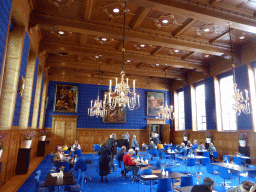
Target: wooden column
[
  {"x": 26, "y": 100},
  {"x": 44, "y": 100},
  {"x": 37, "y": 99},
  {"x": 11, "y": 77}
]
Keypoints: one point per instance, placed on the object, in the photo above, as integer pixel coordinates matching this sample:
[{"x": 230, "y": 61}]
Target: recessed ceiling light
[
  {"x": 206, "y": 30},
  {"x": 176, "y": 51},
  {"x": 241, "y": 37},
  {"x": 97, "y": 57},
  {"x": 104, "y": 39},
  {"x": 128, "y": 61},
  {"x": 206, "y": 55},
  {"x": 142, "y": 45},
  {"x": 61, "y": 32},
  {"x": 116, "y": 10},
  {"x": 165, "y": 64},
  {"x": 165, "y": 21},
  {"x": 157, "y": 64}
]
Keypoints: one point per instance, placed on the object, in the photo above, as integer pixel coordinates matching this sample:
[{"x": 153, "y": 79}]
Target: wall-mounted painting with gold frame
[
  {"x": 118, "y": 115},
  {"x": 66, "y": 98}
]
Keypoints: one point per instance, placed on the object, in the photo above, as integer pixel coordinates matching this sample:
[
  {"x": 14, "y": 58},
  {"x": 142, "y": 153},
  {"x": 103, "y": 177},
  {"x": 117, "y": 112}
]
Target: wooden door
[
  {"x": 166, "y": 133},
  {"x": 69, "y": 133},
  {"x": 59, "y": 132}
]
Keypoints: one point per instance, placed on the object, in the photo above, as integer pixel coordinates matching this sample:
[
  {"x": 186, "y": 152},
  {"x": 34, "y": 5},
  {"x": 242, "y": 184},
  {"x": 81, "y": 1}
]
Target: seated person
[
  {"x": 201, "y": 146},
  {"x": 182, "y": 149},
  {"x": 211, "y": 149},
  {"x": 119, "y": 157},
  {"x": 188, "y": 145},
  {"x": 155, "y": 139},
  {"x": 58, "y": 156},
  {"x": 207, "y": 186},
  {"x": 194, "y": 146},
  {"x": 129, "y": 164},
  {"x": 246, "y": 186},
  {"x": 144, "y": 146},
  {"x": 160, "y": 145},
  {"x": 76, "y": 146},
  {"x": 151, "y": 145}
]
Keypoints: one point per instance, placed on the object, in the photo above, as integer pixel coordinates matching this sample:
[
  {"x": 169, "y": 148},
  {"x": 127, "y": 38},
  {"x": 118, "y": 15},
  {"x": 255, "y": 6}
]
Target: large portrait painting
[
  {"x": 66, "y": 98},
  {"x": 118, "y": 115},
  {"x": 154, "y": 101}
]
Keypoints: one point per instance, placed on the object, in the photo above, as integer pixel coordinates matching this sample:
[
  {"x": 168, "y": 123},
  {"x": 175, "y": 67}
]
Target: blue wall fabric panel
[
  {"x": 4, "y": 22},
  {"x": 210, "y": 104},
  {"x": 187, "y": 106},
  {"x": 23, "y": 68},
  {"x": 135, "y": 119},
  {"x": 244, "y": 121},
  {"x": 33, "y": 94},
  {"x": 42, "y": 87}
]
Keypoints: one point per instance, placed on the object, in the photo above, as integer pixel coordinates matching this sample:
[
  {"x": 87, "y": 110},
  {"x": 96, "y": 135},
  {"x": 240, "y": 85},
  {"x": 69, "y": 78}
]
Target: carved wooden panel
[
  {"x": 59, "y": 132},
  {"x": 166, "y": 133},
  {"x": 70, "y": 127}
]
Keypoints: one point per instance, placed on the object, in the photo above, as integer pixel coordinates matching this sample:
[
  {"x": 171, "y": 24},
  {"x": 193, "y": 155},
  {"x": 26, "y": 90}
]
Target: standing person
[
  {"x": 104, "y": 153},
  {"x": 134, "y": 144},
  {"x": 126, "y": 136},
  {"x": 207, "y": 186},
  {"x": 111, "y": 142},
  {"x": 129, "y": 164},
  {"x": 155, "y": 139},
  {"x": 119, "y": 157},
  {"x": 211, "y": 149}
]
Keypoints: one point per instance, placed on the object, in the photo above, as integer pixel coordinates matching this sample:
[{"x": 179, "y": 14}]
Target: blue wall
[
  {"x": 4, "y": 22},
  {"x": 135, "y": 119},
  {"x": 23, "y": 68},
  {"x": 33, "y": 94},
  {"x": 187, "y": 106}
]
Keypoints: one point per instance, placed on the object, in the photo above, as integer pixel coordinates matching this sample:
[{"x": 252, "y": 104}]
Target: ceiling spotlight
[
  {"x": 116, "y": 10},
  {"x": 157, "y": 64},
  {"x": 97, "y": 57},
  {"x": 104, "y": 39},
  {"x": 206, "y": 56},
  {"x": 128, "y": 61},
  {"x": 176, "y": 51},
  {"x": 142, "y": 45},
  {"x": 165, "y": 21},
  {"x": 61, "y": 32},
  {"x": 206, "y": 30},
  {"x": 241, "y": 37}
]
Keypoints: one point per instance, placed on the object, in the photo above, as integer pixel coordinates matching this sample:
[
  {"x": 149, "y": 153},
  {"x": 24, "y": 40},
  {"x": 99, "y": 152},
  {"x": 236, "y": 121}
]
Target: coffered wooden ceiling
[{"x": 163, "y": 38}]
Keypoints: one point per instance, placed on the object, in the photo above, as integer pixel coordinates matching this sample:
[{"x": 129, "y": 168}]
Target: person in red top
[{"x": 129, "y": 164}]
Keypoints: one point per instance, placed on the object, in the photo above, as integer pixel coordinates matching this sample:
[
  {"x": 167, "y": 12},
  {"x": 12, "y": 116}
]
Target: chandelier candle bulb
[
  {"x": 116, "y": 81},
  {"x": 110, "y": 84},
  {"x": 127, "y": 82},
  {"x": 133, "y": 85}
]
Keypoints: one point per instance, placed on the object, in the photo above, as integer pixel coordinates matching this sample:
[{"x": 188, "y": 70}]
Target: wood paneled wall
[
  {"x": 226, "y": 143},
  {"x": 87, "y": 137},
  {"x": 10, "y": 153}
]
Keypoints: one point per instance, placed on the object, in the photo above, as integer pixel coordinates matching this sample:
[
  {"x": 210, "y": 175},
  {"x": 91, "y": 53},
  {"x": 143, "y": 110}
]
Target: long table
[
  {"x": 234, "y": 167},
  {"x": 190, "y": 157}
]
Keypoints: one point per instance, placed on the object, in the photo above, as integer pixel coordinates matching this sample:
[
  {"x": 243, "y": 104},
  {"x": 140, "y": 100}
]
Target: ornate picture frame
[
  {"x": 66, "y": 99},
  {"x": 118, "y": 115},
  {"x": 154, "y": 101}
]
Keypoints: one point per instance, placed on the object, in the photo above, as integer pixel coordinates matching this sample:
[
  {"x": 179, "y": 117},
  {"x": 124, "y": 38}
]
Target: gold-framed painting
[
  {"x": 117, "y": 115},
  {"x": 66, "y": 98},
  {"x": 154, "y": 101}
]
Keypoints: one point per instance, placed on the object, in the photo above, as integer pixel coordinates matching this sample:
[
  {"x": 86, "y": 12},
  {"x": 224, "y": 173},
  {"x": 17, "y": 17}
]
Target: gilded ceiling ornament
[
  {"x": 103, "y": 40},
  {"x": 59, "y": 3},
  {"x": 207, "y": 29},
  {"x": 165, "y": 20},
  {"x": 21, "y": 86},
  {"x": 115, "y": 9}
]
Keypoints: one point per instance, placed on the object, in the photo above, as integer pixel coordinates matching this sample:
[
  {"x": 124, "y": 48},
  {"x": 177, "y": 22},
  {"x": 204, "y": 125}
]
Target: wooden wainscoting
[
  {"x": 87, "y": 137},
  {"x": 10, "y": 153},
  {"x": 226, "y": 143}
]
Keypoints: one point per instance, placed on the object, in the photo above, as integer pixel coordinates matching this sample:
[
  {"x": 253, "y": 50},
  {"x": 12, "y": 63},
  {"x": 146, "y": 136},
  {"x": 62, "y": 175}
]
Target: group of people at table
[{"x": 108, "y": 151}]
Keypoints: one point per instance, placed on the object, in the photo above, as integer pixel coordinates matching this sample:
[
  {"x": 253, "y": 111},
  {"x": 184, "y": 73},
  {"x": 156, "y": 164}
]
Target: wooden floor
[{"x": 15, "y": 182}]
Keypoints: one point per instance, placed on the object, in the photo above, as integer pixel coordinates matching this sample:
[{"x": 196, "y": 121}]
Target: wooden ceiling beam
[
  {"x": 213, "y": 2},
  {"x": 157, "y": 50},
  {"x": 183, "y": 28},
  {"x": 83, "y": 39},
  {"x": 93, "y": 66},
  {"x": 200, "y": 12},
  {"x": 111, "y": 53},
  {"x": 139, "y": 65},
  {"x": 140, "y": 17},
  {"x": 117, "y": 33},
  {"x": 211, "y": 41},
  {"x": 188, "y": 55},
  {"x": 88, "y": 9}
]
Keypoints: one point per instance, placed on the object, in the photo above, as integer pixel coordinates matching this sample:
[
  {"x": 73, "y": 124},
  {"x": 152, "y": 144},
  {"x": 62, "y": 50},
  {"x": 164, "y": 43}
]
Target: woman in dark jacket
[{"x": 104, "y": 153}]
